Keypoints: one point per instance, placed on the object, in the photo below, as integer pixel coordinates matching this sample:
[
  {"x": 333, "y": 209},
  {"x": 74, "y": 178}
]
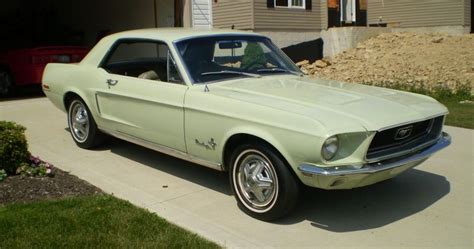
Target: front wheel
[
  {"x": 262, "y": 183},
  {"x": 82, "y": 125}
]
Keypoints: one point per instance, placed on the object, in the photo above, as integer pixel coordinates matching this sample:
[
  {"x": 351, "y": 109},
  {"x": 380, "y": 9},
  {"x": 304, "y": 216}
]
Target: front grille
[{"x": 404, "y": 138}]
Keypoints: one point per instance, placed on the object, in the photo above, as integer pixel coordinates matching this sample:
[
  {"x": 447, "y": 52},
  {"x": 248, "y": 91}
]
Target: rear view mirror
[{"x": 230, "y": 45}]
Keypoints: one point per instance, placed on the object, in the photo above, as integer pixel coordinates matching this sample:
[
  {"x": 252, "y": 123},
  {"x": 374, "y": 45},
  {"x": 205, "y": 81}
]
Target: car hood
[{"x": 335, "y": 105}]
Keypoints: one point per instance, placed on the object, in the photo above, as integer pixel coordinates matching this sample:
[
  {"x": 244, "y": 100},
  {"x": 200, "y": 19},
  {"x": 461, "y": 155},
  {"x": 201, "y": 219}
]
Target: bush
[
  {"x": 3, "y": 175},
  {"x": 35, "y": 167},
  {"x": 254, "y": 57},
  {"x": 13, "y": 146}
]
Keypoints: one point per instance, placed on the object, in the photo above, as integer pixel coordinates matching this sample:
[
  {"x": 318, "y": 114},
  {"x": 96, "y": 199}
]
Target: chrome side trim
[
  {"x": 163, "y": 149},
  {"x": 97, "y": 103},
  {"x": 310, "y": 169}
]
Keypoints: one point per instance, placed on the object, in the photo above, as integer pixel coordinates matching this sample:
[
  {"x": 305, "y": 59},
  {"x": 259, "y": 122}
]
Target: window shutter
[
  {"x": 309, "y": 5},
  {"x": 271, "y": 4}
]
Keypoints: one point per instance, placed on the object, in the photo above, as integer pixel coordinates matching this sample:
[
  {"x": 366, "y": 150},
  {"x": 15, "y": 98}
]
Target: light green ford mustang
[{"x": 233, "y": 101}]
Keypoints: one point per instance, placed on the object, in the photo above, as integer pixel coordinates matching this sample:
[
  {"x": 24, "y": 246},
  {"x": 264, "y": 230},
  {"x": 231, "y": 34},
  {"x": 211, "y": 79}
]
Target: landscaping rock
[
  {"x": 302, "y": 63},
  {"x": 424, "y": 61},
  {"x": 320, "y": 64}
]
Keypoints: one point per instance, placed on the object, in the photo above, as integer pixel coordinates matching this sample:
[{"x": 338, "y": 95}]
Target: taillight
[
  {"x": 40, "y": 59},
  {"x": 45, "y": 59},
  {"x": 61, "y": 58}
]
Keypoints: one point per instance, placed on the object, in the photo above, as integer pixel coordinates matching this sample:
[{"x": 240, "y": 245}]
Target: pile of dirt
[
  {"x": 430, "y": 61},
  {"x": 22, "y": 189}
]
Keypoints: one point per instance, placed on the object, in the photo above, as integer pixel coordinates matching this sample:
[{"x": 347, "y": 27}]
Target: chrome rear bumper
[{"x": 326, "y": 174}]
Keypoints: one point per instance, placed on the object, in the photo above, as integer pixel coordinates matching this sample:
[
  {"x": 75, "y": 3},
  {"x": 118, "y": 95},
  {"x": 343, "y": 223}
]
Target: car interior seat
[{"x": 149, "y": 75}]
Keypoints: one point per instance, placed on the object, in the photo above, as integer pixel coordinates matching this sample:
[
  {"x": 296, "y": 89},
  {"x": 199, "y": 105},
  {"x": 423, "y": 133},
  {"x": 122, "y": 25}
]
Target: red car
[{"x": 26, "y": 66}]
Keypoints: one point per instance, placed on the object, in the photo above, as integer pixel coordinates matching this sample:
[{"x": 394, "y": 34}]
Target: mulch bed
[{"x": 23, "y": 189}]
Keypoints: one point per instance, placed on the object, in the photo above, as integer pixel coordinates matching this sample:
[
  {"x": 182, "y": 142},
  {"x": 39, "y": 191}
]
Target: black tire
[
  {"x": 86, "y": 135},
  {"x": 278, "y": 200},
  {"x": 6, "y": 82}
]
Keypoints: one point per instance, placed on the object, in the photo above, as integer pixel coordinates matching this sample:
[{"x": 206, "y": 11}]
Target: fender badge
[{"x": 210, "y": 145}]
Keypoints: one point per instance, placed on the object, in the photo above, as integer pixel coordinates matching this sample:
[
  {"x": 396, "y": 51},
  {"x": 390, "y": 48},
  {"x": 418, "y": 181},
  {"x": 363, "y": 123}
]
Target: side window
[
  {"x": 142, "y": 59},
  {"x": 173, "y": 73}
]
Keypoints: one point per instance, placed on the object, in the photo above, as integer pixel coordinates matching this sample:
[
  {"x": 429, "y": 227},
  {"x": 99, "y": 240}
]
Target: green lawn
[
  {"x": 90, "y": 222},
  {"x": 460, "y": 115}
]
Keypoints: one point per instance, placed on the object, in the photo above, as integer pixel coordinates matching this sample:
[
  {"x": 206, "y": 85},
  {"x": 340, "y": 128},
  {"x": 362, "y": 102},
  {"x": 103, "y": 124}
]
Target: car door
[{"x": 142, "y": 95}]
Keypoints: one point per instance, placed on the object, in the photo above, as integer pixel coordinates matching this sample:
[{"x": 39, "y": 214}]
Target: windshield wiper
[
  {"x": 232, "y": 72},
  {"x": 279, "y": 70}
]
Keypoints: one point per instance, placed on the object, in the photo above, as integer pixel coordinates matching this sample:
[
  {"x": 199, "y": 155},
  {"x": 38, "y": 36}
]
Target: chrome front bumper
[{"x": 342, "y": 177}]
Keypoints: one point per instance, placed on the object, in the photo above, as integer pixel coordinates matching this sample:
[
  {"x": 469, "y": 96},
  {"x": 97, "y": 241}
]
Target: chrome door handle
[{"x": 111, "y": 82}]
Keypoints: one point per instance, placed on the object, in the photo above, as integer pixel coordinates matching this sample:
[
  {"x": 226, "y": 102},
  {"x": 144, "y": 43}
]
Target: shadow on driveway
[
  {"x": 372, "y": 206},
  {"x": 191, "y": 172},
  {"x": 336, "y": 211}
]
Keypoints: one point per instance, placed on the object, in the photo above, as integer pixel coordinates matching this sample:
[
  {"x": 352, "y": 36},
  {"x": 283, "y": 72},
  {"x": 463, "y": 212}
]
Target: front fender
[{"x": 295, "y": 147}]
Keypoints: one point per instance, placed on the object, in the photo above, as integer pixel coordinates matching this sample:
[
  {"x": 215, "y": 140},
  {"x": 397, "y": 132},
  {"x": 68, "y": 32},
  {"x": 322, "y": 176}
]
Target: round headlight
[{"x": 330, "y": 147}]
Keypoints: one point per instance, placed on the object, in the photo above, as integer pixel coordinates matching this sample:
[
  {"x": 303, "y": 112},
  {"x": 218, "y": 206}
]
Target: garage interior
[{"x": 30, "y": 23}]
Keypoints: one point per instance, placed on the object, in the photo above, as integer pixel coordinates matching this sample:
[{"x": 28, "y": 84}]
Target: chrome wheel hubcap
[
  {"x": 79, "y": 121},
  {"x": 257, "y": 179}
]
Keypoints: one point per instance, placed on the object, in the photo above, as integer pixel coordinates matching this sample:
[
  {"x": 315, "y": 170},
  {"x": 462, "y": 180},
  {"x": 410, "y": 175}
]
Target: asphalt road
[{"x": 429, "y": 206}]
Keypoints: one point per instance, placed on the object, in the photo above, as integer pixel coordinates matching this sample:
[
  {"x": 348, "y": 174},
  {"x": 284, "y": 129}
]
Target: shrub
[
  {"x": 3, "y": 175},
  {"x": 254, "y": 57},
  {"x": 35, "y": 167},
  {"x": 13, "y": 146}
]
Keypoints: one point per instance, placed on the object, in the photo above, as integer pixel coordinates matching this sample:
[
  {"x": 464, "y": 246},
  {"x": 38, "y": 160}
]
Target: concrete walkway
[{"x": 430, "y": 206}]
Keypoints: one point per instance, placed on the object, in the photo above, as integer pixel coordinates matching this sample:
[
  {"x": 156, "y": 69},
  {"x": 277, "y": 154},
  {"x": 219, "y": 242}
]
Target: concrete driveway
[{"x": 430, "y": 206}]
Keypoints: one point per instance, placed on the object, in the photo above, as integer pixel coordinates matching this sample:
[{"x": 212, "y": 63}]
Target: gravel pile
[{"x": 409, "y": 60}]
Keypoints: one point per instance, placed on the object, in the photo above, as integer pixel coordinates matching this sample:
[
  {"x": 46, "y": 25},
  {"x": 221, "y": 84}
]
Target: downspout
[{"x": 155, "y": 14}]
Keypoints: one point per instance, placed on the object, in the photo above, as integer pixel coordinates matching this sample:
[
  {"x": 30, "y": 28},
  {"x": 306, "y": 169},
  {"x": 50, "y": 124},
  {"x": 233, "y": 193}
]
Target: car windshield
[{"x": 224, "y": 57}]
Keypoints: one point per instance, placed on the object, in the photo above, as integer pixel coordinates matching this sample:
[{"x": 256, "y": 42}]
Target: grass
[
  {"x": 460, "y": 115},
  {"x": 90, "y": 222}
]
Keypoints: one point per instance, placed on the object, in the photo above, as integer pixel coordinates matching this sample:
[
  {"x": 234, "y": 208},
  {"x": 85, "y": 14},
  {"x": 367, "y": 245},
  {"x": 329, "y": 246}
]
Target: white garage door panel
[{"x": 202, "y": 13}]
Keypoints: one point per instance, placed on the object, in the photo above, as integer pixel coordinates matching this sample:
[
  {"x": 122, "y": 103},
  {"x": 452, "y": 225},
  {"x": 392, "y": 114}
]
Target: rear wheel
[
  {"x": 6, "y": 82},
  {"x": 262, "y": 183},
  {"x": 82, "y": 125}
]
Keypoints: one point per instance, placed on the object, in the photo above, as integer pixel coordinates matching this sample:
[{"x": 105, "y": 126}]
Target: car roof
[
  {"x": 175, "y": 34},
  {"x": 168, "y": 35}
]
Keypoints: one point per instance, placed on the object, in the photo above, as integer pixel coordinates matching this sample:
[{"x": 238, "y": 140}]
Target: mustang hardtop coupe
[{"x": 233, "y": 101}]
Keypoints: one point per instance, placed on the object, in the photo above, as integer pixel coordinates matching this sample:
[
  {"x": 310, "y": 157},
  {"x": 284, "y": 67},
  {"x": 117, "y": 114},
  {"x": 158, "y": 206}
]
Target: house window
[{"x": 296, "y": 4}]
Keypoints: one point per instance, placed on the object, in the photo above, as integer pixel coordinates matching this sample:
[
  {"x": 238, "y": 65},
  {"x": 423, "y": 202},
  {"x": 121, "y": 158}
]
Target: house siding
[
  {"x": 233, "y": 12},
  {"x": 288, "y": 19},
  {"x": 467, "y": 13},
  {"x": 420, "y": 13},
  {"x": 323, "y": 9}
]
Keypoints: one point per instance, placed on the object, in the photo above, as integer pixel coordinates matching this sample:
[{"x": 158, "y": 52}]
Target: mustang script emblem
[
  {"x": 403, "y": 132},
  {"x": 210, "y": 145}
]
